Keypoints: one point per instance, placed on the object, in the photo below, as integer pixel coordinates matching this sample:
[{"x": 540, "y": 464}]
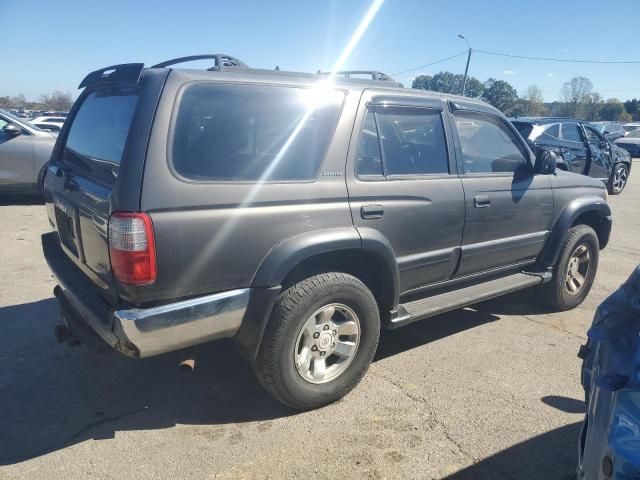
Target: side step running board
[{"x": 445, "y": 302}]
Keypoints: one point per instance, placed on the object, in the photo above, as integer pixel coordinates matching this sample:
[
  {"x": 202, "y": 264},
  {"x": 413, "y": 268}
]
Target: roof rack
[
  {"x": 374, "y": 74},
  {"x": 221, "y": 61}
]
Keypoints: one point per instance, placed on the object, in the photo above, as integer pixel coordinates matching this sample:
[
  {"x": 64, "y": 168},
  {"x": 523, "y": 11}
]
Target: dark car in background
[
  {"x": 631, "y": 143},
  {"x": 579, "y": 147},
  {"x": 611, "y": 130}
]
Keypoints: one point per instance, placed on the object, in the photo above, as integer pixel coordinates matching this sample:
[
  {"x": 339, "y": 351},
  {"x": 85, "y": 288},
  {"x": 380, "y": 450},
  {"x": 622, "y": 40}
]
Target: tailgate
[{"x": 82, "y": 178}]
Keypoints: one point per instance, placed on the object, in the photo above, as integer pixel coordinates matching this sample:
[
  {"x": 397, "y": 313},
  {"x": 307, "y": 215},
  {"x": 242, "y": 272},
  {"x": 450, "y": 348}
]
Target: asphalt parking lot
[{"x": 491, "y": 391}]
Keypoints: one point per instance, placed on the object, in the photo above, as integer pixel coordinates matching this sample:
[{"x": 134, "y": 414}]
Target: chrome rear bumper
[{"x": 177, "y": 325}]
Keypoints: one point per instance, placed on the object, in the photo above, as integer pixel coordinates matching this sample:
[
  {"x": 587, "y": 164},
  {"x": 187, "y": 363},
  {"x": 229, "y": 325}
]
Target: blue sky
[{"x": 51, "y": 45}]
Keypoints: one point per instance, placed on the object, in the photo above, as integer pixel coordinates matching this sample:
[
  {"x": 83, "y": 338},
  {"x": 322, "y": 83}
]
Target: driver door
[
  {"x": 599, "y": 153},
  {"x": 16, "y": 158}
]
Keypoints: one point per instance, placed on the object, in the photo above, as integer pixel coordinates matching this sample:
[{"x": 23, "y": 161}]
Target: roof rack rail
[
  {"x": 374, "y": 74},
  {"x": 221, "y": 61}
]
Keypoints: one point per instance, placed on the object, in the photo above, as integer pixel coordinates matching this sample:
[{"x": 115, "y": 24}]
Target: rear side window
[
  {"x": 571, "y": 132},
  {"x": 487, "y": 145},
  {"x": 253, "y": 133},
  {"x": 100, "y": 128},
  {"x": 402, "y": 141}
]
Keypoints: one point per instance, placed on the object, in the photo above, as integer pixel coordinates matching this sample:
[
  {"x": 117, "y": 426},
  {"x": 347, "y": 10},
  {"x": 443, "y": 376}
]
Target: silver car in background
[{"x": 24, "y": 152}]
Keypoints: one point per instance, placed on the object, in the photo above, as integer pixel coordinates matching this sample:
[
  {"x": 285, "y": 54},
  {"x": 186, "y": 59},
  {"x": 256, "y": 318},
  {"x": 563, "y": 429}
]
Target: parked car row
[{"x": 579, "y": 147}]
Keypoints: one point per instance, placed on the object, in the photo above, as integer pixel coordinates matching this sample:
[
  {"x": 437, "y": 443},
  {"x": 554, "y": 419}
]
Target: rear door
[
  {"x": 82, "y": 178},
  {"x": 574, "y": 148},
  {"x": 402, "y": 184},
  {"x": 508, "y": 208}
]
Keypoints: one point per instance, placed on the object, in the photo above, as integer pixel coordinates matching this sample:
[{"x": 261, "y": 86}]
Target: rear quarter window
[{"x": 251, "y": 133}]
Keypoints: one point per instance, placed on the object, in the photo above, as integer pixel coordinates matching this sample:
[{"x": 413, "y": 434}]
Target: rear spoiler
[{"x": 126, "y": 73}]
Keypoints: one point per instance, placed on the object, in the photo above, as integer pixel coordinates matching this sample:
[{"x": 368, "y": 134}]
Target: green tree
[
  {"x": 500, "y": 94},
  {"x": 612, "y": 109},
  {"x": 633, "y": 108},
  {"x": 447, "y": 82}
]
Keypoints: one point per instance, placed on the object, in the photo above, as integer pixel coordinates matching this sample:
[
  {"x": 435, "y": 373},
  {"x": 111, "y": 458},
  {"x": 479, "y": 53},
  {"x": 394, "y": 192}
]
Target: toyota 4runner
[{"x": 298, "y": 214}]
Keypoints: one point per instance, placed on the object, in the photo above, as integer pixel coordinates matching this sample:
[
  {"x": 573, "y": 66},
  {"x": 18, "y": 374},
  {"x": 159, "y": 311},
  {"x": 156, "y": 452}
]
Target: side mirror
[
  {"x": 11, "y": 129},
  {"x": 545, "y": 163}
]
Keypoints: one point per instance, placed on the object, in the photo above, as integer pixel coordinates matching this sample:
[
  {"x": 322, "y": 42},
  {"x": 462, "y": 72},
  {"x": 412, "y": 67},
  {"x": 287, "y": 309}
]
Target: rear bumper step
[
  {"x": 143, "y": 332},
  {"x": 445, "y": 302}
]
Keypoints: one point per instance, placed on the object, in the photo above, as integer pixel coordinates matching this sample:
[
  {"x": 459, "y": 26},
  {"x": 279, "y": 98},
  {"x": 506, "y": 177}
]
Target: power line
[
  {"x": 432, "y": 63},
  {"x": 547, "y": 59}
]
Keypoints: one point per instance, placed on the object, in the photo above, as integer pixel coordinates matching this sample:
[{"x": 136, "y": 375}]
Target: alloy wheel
[
  {"x": 577, "y": 269},
  {"x": 327, "y": 343},
  {"x": 619, "y": 178}
]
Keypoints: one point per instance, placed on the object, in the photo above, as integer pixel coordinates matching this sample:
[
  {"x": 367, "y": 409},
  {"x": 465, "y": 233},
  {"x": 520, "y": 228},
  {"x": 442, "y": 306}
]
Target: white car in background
[
  {"x": 52, "y": 124},
  {"x": 630, "y": 127}
]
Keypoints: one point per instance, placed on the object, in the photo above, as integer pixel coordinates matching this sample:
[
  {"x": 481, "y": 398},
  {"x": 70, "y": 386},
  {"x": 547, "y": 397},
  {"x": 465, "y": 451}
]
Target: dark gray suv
[{"x": 298, "y": 214}]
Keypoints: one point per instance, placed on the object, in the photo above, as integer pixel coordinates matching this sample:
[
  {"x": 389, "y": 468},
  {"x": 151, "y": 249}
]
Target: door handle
[
  {"x": 481, "y": 201},
  {"x": 371, "y": 211}
]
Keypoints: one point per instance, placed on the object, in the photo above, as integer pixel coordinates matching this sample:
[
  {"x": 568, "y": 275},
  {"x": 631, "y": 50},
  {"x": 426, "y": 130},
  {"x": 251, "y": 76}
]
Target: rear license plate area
[{"x": 67, "y": 222}]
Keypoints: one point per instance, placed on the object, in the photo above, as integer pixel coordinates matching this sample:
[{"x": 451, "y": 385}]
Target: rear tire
[
  {"x": 319, "y": 342},
  {"x": 618, "y": 180},
  {"x": 574, "y": 271}
]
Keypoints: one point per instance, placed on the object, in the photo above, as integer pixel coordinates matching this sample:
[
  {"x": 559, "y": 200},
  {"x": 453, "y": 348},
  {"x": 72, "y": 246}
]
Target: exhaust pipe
[{"x": 187, "y": 365}]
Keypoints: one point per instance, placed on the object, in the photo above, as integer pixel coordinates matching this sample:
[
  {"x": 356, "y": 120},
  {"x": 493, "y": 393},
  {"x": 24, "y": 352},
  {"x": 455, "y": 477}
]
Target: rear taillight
[{"x": 132, "y": 248}]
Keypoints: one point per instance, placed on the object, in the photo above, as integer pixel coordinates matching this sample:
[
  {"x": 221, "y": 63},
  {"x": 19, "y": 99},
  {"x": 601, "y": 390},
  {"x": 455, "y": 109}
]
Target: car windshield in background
[
  {"x": 248, "y": 133},
  {"x": 634, "y": 134},
  {"x": 523, "y": 128},
  {"x": 20, "y": 121},
  {"x": 100, "y": 128}
]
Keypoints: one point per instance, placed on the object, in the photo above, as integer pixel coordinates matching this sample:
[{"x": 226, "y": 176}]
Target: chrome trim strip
[{"x": 182, "y": 324}]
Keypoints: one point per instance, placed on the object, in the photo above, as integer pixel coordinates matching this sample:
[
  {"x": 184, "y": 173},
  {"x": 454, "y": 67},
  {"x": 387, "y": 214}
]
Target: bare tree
[
  {"x": 19, "y": 101},
  {"x": 534, "y": 101},
  {"x": 575, "y": 94},
  {"x": 57, "y": 100}
]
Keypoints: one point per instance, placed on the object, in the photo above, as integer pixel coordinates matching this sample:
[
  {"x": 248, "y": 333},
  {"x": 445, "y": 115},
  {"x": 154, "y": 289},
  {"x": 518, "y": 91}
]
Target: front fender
[{"x": 592, "y": 203}]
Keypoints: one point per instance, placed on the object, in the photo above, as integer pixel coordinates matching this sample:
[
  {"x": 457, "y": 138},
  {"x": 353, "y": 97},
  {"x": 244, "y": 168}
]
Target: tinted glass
[
  {"x": 368, "y": 157},
  {"x": 249, "y": 133},
  {"x": 632, "y": 134},
  {"x": 553, "y": 130},
  {"x": 593, "y": 136},
  {"x": 413, "y": 141},
  {"x": 524, "y": 129},
  {"x": 571, "y": 132},
  {"x": 100, "y": 128},
  {"x": 487, "y": 144}
]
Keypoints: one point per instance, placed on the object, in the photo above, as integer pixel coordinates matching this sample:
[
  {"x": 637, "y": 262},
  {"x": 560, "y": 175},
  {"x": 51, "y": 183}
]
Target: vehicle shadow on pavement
[
  {"x": 20, "y": 199},
  {"x": 53, "y": 396},
  {"x": 552, "y": 455},
  {"x": 441, "y": 326}
]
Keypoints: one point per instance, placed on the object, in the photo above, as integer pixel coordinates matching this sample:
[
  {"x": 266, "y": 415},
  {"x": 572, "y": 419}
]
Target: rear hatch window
[{"x": 99, "y": 131}]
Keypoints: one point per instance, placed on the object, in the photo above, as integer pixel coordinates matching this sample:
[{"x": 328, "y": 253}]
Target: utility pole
[{"x": 466, "y": 69}]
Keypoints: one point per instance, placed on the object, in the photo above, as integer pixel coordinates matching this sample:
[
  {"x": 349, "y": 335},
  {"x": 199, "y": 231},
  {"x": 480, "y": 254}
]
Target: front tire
[
  {"x": 574, "y": 272},
  {"x": 618, "y": 180},
  {"x": 319, "y": 342}
]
